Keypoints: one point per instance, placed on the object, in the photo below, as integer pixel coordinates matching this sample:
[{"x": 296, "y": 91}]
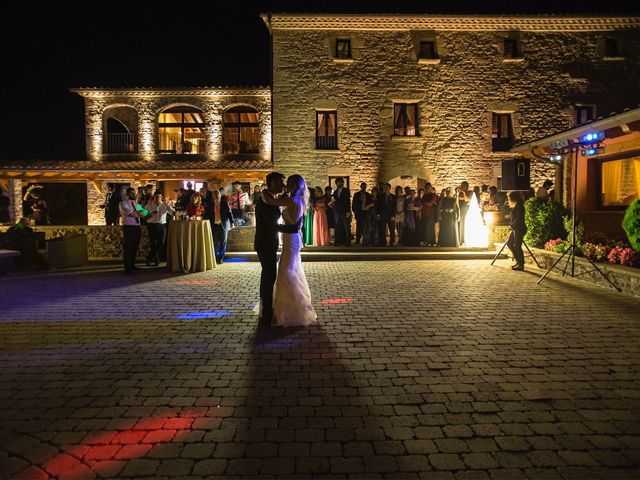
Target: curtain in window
[
  {"x": 397, "y": 126},
  {"x": 321, "y": 124},
  {"x": 611, "y": 182},
  {"x": 331, "y": 123},
  {"x": 411, "y": 120}
]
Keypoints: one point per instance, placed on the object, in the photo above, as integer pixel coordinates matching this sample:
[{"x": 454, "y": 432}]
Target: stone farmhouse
[{"x": 405, "y": 99}]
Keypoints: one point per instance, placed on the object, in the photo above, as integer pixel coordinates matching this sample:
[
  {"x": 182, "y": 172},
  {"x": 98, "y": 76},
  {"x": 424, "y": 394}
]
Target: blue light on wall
[
  {"x": 587, "y": 152},
  {"x": 196, "y": 315}
]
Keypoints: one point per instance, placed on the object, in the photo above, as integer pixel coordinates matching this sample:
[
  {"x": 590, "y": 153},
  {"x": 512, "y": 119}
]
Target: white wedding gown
[{"x": 292, "y": 300}]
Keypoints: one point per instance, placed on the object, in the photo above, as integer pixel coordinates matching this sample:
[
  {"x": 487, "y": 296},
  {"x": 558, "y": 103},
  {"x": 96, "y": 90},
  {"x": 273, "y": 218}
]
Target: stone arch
[{"x": 116, "y": 139}]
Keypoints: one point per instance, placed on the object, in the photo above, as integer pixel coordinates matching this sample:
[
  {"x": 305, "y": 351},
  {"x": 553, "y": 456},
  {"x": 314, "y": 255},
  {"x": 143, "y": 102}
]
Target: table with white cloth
[{"x": 190, "y": 246}]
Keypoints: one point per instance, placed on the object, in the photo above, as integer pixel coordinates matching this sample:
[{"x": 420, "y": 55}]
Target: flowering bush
[
  {"x": 551, "y": 244},
  {"x": 596, "y": 252},
  {"x": 624, "y": 256}
]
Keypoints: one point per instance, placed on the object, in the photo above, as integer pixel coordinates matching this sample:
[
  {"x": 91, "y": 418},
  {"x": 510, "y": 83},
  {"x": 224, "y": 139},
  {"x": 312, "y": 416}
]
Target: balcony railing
[
  {"x": 175, "y": 143},
  {"x": 326, "y": 143},
  {"x": 121, "y": 143},
  {"x": 502, "y": 144}
]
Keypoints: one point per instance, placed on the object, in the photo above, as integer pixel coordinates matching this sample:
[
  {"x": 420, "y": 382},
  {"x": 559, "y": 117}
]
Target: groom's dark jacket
[{"x": 267, "y": 226}]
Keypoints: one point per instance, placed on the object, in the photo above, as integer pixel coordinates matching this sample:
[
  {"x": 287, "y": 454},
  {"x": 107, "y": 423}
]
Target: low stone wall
[
  {"x": 627, "y": 278},
  {"x": 105, "y": 242}
]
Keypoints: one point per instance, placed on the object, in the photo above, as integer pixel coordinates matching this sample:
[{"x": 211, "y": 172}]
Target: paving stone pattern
[{"x": 418, "y": 369}]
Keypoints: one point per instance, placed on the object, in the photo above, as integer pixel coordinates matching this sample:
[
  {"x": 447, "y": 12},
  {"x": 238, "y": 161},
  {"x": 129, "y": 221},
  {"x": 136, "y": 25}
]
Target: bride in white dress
[{"x": 292, "y": 300}]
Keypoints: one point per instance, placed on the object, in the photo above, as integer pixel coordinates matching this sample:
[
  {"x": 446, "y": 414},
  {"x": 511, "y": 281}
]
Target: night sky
[{"x": 49, "y": 47}]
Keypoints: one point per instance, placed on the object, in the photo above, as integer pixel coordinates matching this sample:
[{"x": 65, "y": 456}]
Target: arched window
[
  {"x": 241, "y": 131},
  {"x": 121, "y": 129},
  {"x": 181, "y": 130}
]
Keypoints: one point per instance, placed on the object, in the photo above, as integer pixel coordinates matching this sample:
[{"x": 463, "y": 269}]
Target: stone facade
[
  {"x": 562, "y": 65},
  {"x": 15, "y": 197},
  {"x": 138, "y": 109}
]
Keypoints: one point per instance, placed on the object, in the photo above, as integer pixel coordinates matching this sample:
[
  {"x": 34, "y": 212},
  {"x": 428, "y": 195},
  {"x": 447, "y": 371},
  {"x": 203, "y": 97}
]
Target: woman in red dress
[{"x": 320, "y": 224}]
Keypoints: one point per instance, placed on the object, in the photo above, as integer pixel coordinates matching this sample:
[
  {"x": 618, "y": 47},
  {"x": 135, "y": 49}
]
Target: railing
[
  {"x": 174, "y": 143},
  {"x": 326, "y": 143},
  {"x": 121, "y": 143},
  {"x": 502, "y": 144}
]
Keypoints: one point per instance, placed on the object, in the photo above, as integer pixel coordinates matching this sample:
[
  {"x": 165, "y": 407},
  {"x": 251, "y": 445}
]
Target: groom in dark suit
[{"x": 266, "y": 243}]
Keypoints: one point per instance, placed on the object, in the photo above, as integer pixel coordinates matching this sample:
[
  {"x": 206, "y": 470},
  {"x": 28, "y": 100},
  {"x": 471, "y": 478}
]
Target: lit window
[
  {"x": 501, "y": 132},
  {"x": 343, "y": 48},
  {"x": 240, "y": 131},
  {"x": 181, "y": 130},
  {"x": 326, "y": 130},
  {"x": 620, "y": 182},
  {"x": 405, "y": 119},
  {"x": 427, "y": 49}
]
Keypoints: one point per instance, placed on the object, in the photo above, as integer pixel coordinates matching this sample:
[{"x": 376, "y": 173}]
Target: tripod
[
  {"x": 525, "y": 246},
  {"x": 570, "y": 253}
]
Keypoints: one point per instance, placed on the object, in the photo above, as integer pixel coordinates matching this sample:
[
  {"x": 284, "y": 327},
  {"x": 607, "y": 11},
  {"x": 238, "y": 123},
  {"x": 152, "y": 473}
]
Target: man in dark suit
[
  {"x": 360, "y": 199},
  {"x": 387, "y": 209},
  {"x": 267, "y": 242},
  {"x": 221, "y": 222},
  {"x": 342, "y": 214}
]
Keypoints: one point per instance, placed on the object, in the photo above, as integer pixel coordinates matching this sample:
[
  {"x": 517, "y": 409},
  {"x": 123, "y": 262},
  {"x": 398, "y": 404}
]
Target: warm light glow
[
  {"x": 476, "y": 233},
  {"x": 331, "y": 301}
]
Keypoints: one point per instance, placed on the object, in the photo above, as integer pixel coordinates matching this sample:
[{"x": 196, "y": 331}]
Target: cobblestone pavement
[{"x": 418, "y": 369}]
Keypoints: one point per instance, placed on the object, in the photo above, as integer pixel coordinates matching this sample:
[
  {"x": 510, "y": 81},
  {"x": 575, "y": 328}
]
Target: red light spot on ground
[
  {"x": 337, "y": 300},
  {"x": 133, "y": 451},
  {"x": 129, "y": 436},
  {"x": 106, "y": 453},
  {"x": 178, "y": 423},
  {"x": 157, "y": 436},
  {"x": 198, "y": 282}
]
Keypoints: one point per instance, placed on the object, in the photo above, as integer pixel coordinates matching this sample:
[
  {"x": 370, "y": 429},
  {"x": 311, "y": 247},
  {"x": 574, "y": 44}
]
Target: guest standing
[
  {"x": 412, "y": 207},
  {"x": 430, "y": 217},
  {"x": 331, "y": 219},
  {"x": 371, "y": 233},
  {"x": 399, "y": 207},
  {"x": 387, "y": 209},
  {"x": 308, "y": 218},
  {"x": 342, "y": 214},
  {"x": 130, "y": 229},
  {"x": 157, "y": 227},
  {"x": 360, "y": 199},
  {"x": 320, "y": 224},
  {"x": 221, "y": 223},
  {"x": 195, "y": 208},
  {"x": 518, "y": 229},
  {"x": 462, "y": 198},
  {"x": 448, "y": 215}
]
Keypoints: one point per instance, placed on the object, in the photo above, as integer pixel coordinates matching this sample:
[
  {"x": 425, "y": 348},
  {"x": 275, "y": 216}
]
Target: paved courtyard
[{"x": 418, "y": 369}]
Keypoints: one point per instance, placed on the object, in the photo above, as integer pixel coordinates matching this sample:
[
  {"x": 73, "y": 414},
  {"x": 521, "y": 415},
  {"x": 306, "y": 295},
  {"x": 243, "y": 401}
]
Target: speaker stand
[{"x": 504, "y": 245}]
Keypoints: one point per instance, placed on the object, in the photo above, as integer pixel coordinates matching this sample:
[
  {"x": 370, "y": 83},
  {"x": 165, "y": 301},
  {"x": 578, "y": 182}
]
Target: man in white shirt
[
  {"x": 157, "y": 227},
  {"x": 130, "y": 229}
]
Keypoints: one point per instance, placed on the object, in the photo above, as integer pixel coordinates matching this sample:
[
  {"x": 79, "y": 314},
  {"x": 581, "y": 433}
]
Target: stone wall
[
  {"x": 105, "y": 242},
  {"x": 129, "y": 108},
  {"x": 15, "y": 197},
  {"x": 455, "y": 98}
]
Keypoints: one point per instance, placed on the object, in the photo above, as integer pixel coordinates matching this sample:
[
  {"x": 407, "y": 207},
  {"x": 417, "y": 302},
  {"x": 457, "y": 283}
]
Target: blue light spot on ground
[
  {"x": 235, "y": 260},
  {"x": 195, "y": 315}
]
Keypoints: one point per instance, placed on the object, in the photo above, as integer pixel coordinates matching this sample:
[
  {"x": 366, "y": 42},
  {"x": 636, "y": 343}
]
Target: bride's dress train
[{"x": 292, "y": 300}]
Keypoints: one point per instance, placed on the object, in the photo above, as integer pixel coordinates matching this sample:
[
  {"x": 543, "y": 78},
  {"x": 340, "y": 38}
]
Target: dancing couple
[{"x": 289, "y": 303}]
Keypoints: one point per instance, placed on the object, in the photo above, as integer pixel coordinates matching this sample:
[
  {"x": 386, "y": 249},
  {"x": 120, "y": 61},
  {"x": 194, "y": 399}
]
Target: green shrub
[
  {"x": 568, "y": 226},
  {"x": 544, "y": 221},
  {"x": 631, "y": 224}
]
